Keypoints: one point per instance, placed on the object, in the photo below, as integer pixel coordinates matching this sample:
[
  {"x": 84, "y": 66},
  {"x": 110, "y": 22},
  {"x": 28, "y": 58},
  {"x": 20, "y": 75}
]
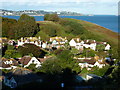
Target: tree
[
  {"x": 7, "y": 27},
  {"x": 99, "y": 71},
  {"x": 72, "y": 26},
  {"x": 51, "y": 67},
  {"x": 51, "y": 17},
  {"x": 26, "y": 26},
  {"x": 66, "y": 60},
  {"x": 9, "y": 53},
  {"x": 115, "y": 75},
  {"x": 88, "y": 53},
  {"x": 100, "y": 47},
  {"x": 75, "y": 51},
  {"x": 32, "y": 67},
  {"x": 31, "y": 49}
]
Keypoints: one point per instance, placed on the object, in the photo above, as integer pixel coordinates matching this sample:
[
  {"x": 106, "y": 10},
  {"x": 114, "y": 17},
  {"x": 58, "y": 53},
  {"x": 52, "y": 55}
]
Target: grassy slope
[{"x": 104, "y": 33}]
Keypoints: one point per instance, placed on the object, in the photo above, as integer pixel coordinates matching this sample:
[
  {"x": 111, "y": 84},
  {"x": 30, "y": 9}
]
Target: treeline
[
  {"x": 25, "y": 26},
  {"x": 12, "y": 52}
]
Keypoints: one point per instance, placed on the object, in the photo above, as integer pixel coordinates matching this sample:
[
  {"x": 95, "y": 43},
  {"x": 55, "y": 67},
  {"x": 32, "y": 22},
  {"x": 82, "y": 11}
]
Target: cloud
[
  {"x": 82, "y": 6},
  {"x": 50, "y": 1}
]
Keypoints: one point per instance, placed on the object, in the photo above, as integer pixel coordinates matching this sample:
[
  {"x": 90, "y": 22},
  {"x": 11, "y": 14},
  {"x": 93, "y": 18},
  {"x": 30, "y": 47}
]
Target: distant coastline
[{"x": 107, "y": 21}]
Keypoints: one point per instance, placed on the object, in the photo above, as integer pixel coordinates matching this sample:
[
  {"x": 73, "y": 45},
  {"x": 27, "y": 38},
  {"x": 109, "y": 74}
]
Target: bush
[
  {"x": 31, "y": 49},
  {"x": 51, "y": 17}
]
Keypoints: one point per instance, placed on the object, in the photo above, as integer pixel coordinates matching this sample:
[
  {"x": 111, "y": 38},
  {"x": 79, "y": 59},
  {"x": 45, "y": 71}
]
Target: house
[
  {"x": 58, "y": 41},
  {"x": 86, "y": 63},
  {"x": 90, "y": 44},
  {"x": 72, "y": 43},
  {"x": 32, "y": 40},
  {"x": 27, "y": 60},
  {"x": 80, "y": 44},
  {"x": 99, "y": 64},
  {"x": 4, "y": 66},
  {"x": 8, "y": 63},
  {"x": 19, "y": 76},
  {"x": 12, "y": 42},
  {"x": 76, "y": 43},
  {"x": 3, "y": 40},
  {"x": 44, "y": 45},
  {"x": 107, "y": 47},
  {"x": 89, "y": 63},
  {"x": 83, "y": 65}
]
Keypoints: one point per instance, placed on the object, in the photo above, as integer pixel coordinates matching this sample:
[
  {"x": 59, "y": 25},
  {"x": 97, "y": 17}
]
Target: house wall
[
  {"x": 72, "y": 43},
  {"x": 107, "y": 47},
  {"x": 44, "y": 45},
  {"x": 88, "y": 77},
  {"x": 10, "y": 82},
  {"x": 35, "y": 62}
]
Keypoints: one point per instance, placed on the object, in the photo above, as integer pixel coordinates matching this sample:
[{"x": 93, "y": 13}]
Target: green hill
[
  {"x": 71, "y": 28},
  {"x": 53, "y": 26},
  {"x": 77, "y": 28}
]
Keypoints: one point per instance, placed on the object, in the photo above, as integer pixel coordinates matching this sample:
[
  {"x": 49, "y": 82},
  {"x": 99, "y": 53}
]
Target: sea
[{"x": 107, "y": 21}]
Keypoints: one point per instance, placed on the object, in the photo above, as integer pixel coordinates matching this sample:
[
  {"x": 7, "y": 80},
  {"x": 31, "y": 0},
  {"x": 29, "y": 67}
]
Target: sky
[{"x": 98, "y": 7}]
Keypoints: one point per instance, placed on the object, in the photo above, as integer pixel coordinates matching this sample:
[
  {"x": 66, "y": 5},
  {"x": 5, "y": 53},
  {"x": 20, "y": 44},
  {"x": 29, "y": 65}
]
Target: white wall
[
  {"x": 72, "y": 43},
  {"x": 31, "y": 62}
]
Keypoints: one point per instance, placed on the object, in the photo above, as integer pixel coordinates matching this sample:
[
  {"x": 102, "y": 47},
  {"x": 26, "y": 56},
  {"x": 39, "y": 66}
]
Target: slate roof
[
  {"x": 89, "y": 41},
  {"x": 91, "y": 61},
  {"x": 77, "y": 40},
  {"x": 24, "y": 60}
]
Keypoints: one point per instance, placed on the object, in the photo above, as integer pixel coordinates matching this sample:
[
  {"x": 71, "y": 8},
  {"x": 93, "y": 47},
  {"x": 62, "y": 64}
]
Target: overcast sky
[{"x": 109, "y": 7}]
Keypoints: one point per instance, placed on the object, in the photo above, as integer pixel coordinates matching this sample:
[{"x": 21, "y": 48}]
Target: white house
[
  {"x": 54, "y": 42},
  {"x": 99, "y": 65},
  {"x": 10, "y": 42},
  {"x": 27, "y": 60},
  {"x": 72, "y": 43},
  {"x": 83, "y": 65},
  {"x": 8, "y": 64},
  {"x": 44, "y": 45},
  {"x": 33, "y": 61},
  {"x": 107, "y": 47},
  {"x": 20, "y": 42},
  {"x": 91, "y": 46},
  {"x": 79, "y": 45},
  {"x": 82, "y": 42}
]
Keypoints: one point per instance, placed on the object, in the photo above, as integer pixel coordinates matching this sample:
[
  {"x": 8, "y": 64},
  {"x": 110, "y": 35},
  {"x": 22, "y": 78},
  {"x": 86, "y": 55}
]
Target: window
[
  {"x": 33, "y": 61},
  {"x": 13, "y": 85}
]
